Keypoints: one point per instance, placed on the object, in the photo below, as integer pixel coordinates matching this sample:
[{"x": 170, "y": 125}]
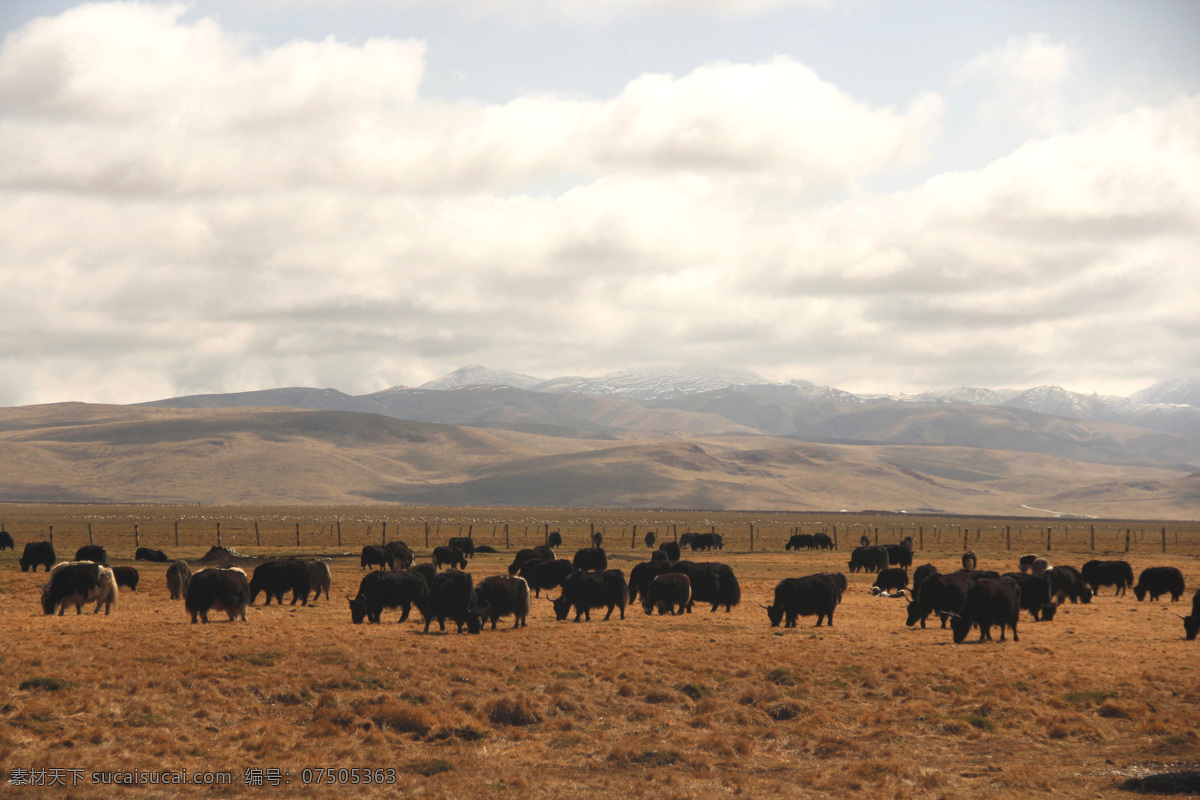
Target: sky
[{"x": 220, "y": 196}]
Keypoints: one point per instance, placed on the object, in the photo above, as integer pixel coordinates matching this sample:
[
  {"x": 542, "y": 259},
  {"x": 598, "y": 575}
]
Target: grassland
[{"x": 700, "y": 706}]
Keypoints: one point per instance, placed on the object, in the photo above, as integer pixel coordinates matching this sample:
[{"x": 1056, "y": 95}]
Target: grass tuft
[{"x": 46, "y": 684}]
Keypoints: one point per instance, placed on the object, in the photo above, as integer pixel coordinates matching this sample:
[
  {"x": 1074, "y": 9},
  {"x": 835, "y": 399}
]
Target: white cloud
[
  {"x": 1023, "y": 81},
  {"x": 301, "y": 215}
]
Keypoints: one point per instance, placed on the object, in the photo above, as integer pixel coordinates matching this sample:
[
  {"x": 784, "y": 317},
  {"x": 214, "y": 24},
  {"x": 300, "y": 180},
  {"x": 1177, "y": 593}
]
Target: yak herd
[{"x": 669, "y": 584}]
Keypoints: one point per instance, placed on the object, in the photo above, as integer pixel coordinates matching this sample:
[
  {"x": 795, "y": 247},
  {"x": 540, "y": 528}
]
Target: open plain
[{"x": 697, "y": 706}]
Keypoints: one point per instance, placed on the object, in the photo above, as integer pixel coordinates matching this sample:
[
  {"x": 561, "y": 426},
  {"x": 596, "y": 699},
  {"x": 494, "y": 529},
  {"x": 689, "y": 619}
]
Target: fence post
[
  {"x": 1008, "y": 537},
  {"x": 384, "y": 532},
  {"x": 297, "y": 534},
  {"x": 633, "y": 537},
  {"x": 751, "y": 535},
  {"x": 427, "y": 534},
  {"x": 90, "y": 539},
  {"x": 51, "y": 534},
  {"x": 137, "y": 537},
  {"x": 1164, "y": 540},
  {"x": 218, "y": 534},
  {"x": 835, "y": 541},
  {"x": 966, "y": 539},
  {"x": 257, "y": 535},
  {"x": 177, "y": 533},
  {"x": 506, "y": 536},
  {"x": 1127, "y": 540},
  {"x": 339, "y": 529},
  {"x": 1048, "y": 531}
]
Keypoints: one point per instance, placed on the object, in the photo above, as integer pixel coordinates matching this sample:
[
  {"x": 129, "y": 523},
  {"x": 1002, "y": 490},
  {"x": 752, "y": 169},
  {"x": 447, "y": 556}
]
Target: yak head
[
  {"x": 1191, "y": 626},
  {"x": 1140, "y": 592},
  {"x": 774, "y": 614},
  {"x": 1048, "y": 611},
  {"x": 961, "y": 626},
  {"x": 358, "y": 608},
  {"x": 562, "y": 607},
  {"x": 647, "y": 606},
  {"x": 914, "y": 614}
]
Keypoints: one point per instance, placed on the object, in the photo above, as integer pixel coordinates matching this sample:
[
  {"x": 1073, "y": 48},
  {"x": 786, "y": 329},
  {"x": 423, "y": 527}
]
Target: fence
[{"x": 325, "y": 531}]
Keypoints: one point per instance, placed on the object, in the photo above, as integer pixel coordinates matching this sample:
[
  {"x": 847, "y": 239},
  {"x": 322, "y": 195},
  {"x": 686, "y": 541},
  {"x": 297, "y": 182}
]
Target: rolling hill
[{"x": 87, "y": 453}]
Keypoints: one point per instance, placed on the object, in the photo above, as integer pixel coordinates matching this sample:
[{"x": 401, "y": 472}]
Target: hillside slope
[{"x": 77, "y": 453}]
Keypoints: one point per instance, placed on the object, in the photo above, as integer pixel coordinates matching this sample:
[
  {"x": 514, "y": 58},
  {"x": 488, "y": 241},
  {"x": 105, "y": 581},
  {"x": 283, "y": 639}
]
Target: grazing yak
[
  {"x": 127, "y": 578},
  {"x": 503, "y": 596},
  {"x": 178, "y": 575},
  {"x": 899, "y": 555},
  {"x": 146, "y": 554},
  {"x": 590, "y": 559},
  {"x": 641, "y": 575},
  {"x": 540, "y": 574},
  {"x": 667, "y": 593},
  {"x": 380, "y": 590},
  {"x": 448, "y": 556},
  {"x": 554, "y": 539},
  {"x": 464, "y": 543},
  {"x": 1035, "y": 595},
  {"x": 6, "y": 541},
  {"x": 402, "y": 556},
  {"x": 452, "y": 596},
  {"x": 707, "y": 541},
  {"x": 276, "y": 578},
  {"x": 890, "y": 580},
  {"x": 376, "y": 555},
  {"x": 813, "y": 595},
  {"x": 584, "y": 591},
  {"x": 670, "y": 550},
  {"x": 597, "y": 539},
  {"x": 822, "y": 541},
  {"x": 920, "y": 574},
  {"x": 650, "y": 538},
  {"x": 426, "y": 571},
  {"x": 216, "y": 589},
  {"x": 1025, "y": 563},
  {"x": 939, "y": 594},
  {"x": 1066, "y": 583},
  {"x": 800, "y": 541},
  {"x": 79, "y": 582},
  {"x": 686, "y": 540},
  {"x": 92, "y": 552},
  {"x": 1191, "y": 624},
  {"x": 839, "y": 581},
  {"x": 542, "y": 551},
  {"x": 871, "y": 558},
  {"x": 1157, "y": 581},
  {"x": 318, "y": 578},
  {"x": 1118, "y": 574},
  {"x": 485, "y": 548},
  {"x": 712, "y": 582},
  {"x": 989, "y": 602},
  {"x": 36, "y": 553}
]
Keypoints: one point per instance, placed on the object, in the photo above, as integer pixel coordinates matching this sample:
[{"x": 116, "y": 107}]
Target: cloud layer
[{"x": 303, "y": 215}]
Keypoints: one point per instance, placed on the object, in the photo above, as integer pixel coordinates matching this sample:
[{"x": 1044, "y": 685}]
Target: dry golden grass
[{"x": 700, "y": 706}]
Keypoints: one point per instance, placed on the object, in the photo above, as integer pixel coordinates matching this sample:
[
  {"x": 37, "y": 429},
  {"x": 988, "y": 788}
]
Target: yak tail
[{"x": 733, "y": 590}]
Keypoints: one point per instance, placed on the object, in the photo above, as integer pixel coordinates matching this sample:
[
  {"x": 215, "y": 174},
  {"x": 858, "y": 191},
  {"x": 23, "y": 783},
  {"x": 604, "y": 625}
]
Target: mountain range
[{"x": 682, "y": 439}]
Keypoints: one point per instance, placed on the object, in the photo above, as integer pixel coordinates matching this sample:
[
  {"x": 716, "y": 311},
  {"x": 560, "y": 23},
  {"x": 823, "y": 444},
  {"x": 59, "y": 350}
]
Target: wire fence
[{"x": 121, "y": 532}]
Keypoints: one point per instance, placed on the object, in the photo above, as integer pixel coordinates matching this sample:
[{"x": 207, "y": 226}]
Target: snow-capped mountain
[
  {"x": 482, "y": 376},
  {"x": 1180, "y": 391},
  {"x": 962, "y": 396},
  {"x": 654, "y": 385}
]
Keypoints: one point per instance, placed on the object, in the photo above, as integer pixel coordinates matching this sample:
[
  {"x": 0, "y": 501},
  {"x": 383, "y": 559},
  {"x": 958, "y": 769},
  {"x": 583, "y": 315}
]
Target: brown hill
[{"x": 77, "y": 452}]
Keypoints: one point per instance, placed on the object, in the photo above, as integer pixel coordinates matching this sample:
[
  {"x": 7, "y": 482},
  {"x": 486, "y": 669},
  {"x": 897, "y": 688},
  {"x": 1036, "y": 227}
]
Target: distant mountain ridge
[{"x": 1047, "y": 419}]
